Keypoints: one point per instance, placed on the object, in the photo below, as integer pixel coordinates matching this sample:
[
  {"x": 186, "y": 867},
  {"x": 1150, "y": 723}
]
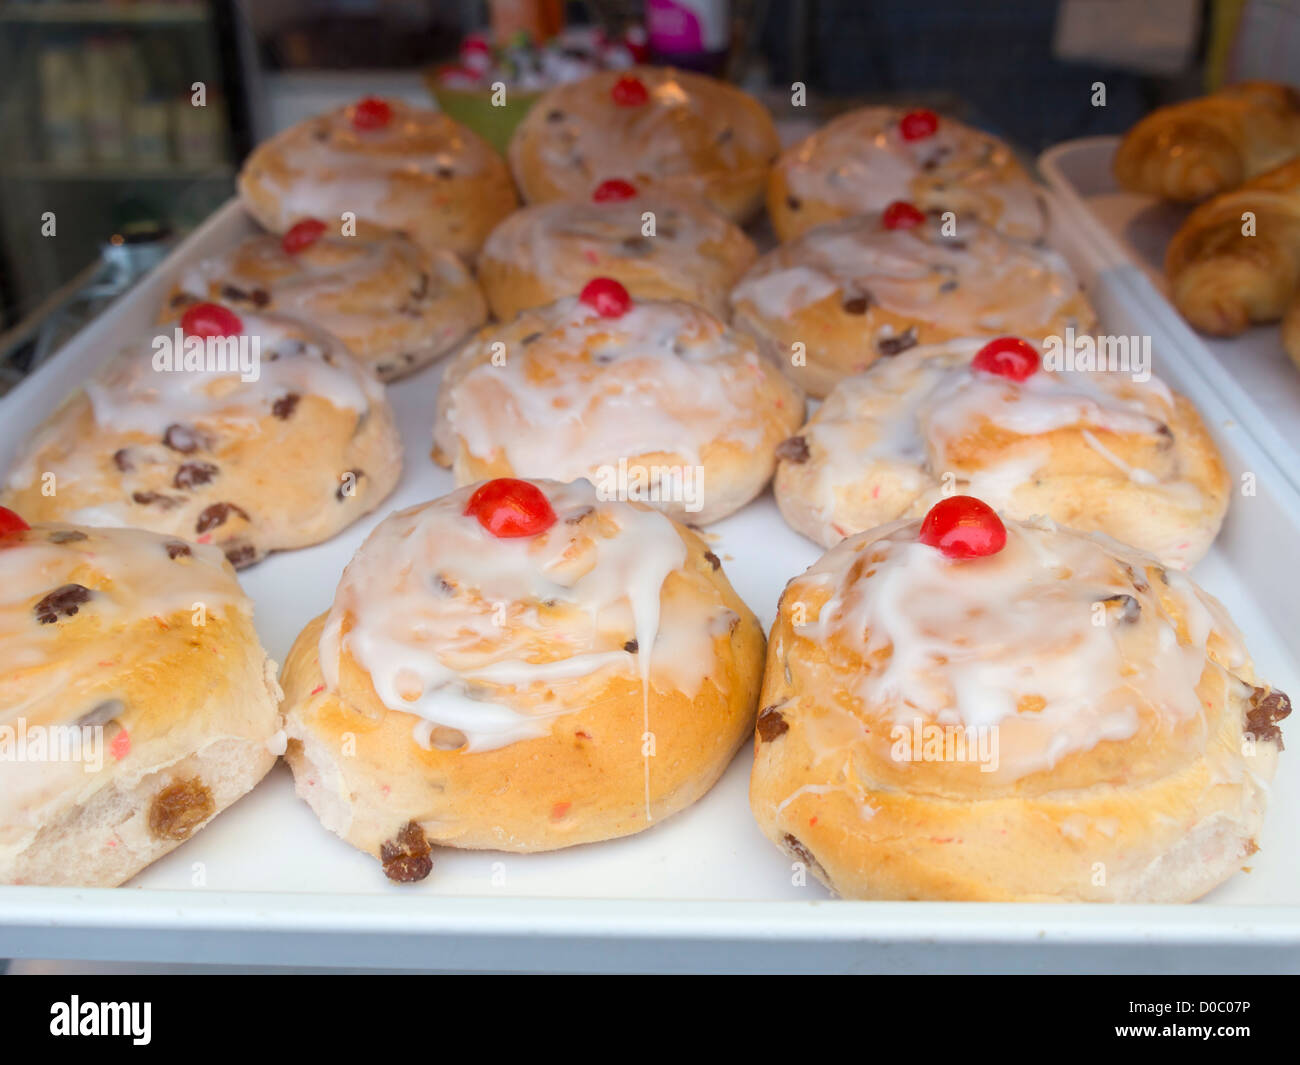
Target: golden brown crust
[
  {"x": 1161, "y": 814},
  {"x": 157, "y": 667},
  {"x": 357, "y": 763},
  {"x": 1235, "y": 261},
  {"x": 1191, "y": 150},
  {"x": 695, "y": 135}
]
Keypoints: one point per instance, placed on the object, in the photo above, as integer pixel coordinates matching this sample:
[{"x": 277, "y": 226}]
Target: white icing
[
  {"x": 1009, "y": 641},
  {"x": 401, "y": 283},
  {"x": 859, "y": 164},
  {"x": 979, "y": 282},
  {"x": 665, "y": 378},
  {"x": 129, "y": 394},
  {"x": 330, "y": 166},
  {"x": 906, "y": 414},
  {"x": 523, "y": 616}
]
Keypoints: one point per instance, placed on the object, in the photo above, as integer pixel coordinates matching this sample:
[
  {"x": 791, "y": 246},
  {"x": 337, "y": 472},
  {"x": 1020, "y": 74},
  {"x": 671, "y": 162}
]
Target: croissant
[
  {"x": 1192, "y": 150},
  {"x": 1222, "y": 280}
]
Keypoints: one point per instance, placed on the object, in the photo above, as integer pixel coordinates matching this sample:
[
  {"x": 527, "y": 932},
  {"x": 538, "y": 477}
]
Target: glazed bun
[
  {"x": 661, "y": 403},
  {"x": 1062, "y": 720},
  {"x": 394, "y": 305},
  {"x": 484, "y": 692},
  {"x": 279, "y": 452},
  {"x": 136, "y": 702},
  {"x": 1090, "y": 449},
  {"x": 659, "y": 128},
  {"x": 864, "y": 160},
  {"x": 857, "y": 291},
  {"x": 543, "y": 253},
  {"x": 392, "y": 166}
]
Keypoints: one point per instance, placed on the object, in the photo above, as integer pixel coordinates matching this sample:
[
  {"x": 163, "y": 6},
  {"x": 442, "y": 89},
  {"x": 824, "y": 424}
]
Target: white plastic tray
[
  {"x": 264, "y": 883},
  {"x": 1252, "y": 373}
]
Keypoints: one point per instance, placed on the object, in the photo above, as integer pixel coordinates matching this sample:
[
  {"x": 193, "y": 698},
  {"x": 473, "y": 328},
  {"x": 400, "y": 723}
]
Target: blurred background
[{"x": 123, "y": 122}]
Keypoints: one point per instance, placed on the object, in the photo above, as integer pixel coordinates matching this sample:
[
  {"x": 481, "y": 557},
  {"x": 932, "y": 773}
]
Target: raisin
[
  {"x": 793, "y": 449},
  {"x": 713, "y": 560},
  {"x": 856, "y": 305},
  {"x": 1267, "y": 708},
  {"x": 176, "y": 549},
  {"x": 217, "y": 514},
  {"x": 406, "y": 856},
  {"x": 66, "y": 536},
  {"x": 181, "y": 438},
  {"x": 241, "y": 555},
  {"x": 180, "y": 808},
  {"x": 1127, "y": 609},
  {"x": 62, "y": 602},
  {"x": 193, "y": 474},
  {"x": 897, "y": 344},
  {"x": 284, "y": 407},
  {"x": 771, "y": 724},
  {"x": 555, "y": 115},
  {"x": 802, "y": 853},
  {"x": 230, "y": 292},
  {"x": 260, "y": 297},
  {"x": 154, "y": 499},
  {"x": 793, "y": 202},
  {"x": 631, "y": 647},
  {"x": 122, "y": 460}
]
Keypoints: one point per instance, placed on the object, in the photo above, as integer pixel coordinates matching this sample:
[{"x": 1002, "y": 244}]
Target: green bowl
[{"x": 473, "y": 108}]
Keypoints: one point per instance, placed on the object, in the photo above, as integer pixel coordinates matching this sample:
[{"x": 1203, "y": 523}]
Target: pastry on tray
[
  {"x": 973, "y": 708},
  {"x": 1194, "y": 149},
  {"x": 252, "y": 432},
  {"x": 658, "y": 245},
  {"x": 1097, "y": 450},
  {"x": 866, "y": 159},
  {"x": 395, "y": 305},
  {"x": 136, "y": 702},
  {"x": 1235, "y": 261},
  {"x": 842, "y": 296},
  {"x": 518, "y": 666},
  {"x": 654, "y": 400},
  {"x": 388, "y": 166},
  {"x": 658, "y": 128}
]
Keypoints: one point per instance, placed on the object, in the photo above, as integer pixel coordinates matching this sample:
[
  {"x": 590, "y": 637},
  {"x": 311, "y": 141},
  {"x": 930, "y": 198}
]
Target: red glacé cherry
[
  {"x": 509, "y": 508},
  {"x": 919, "y": 124},
  {"x": 613, "y": 189},
  {"x": 606, "y": 296},
  {"x": 302, "y": 235},
  {"x": 211, "y": 320},
  {"x": 963, "y": 527},
  {"x": 901, "y": 215},
  {"x": 371, "y": 113},
  {"x": 1007, "y": 357},
  {"x": 11, "y": 523},
  {"x": 629, "y": 92}
]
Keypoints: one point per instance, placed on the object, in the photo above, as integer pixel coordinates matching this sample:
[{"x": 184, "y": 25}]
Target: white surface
[
  {"x": 265, "y": 884},
  {"x": 1251, "y": 372}
]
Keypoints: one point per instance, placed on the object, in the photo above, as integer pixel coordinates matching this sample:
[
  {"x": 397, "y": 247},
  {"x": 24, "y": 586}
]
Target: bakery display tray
[
  {"x": 265, "y": 883},
  {"x": 1251, "y": 372}
]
